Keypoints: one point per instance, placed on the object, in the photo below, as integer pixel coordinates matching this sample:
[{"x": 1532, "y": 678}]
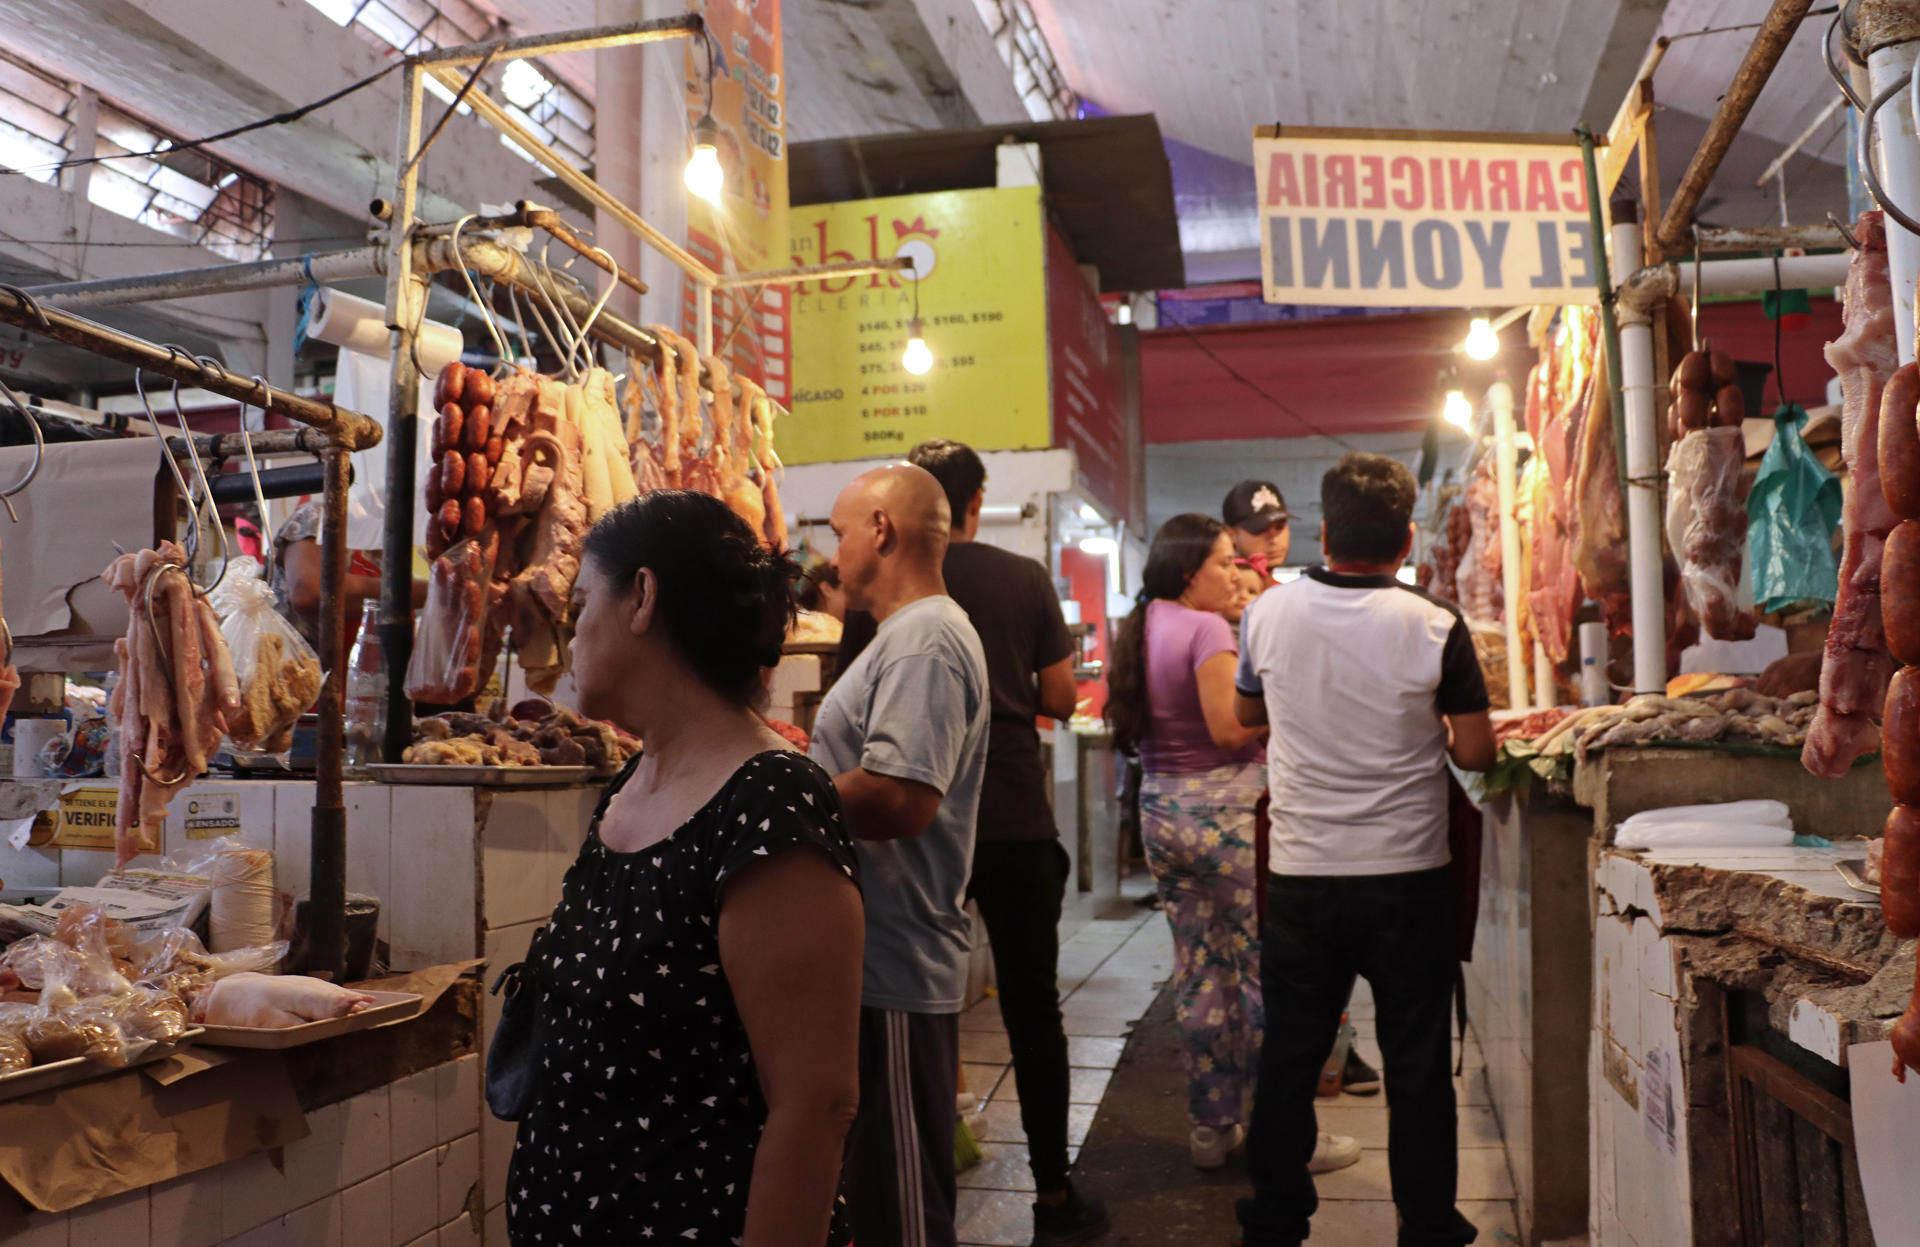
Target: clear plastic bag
[
  {"x": 1707, "y": 528},
  {"x": 278, "y": 672},
  {"x": 445, "y": 668}
]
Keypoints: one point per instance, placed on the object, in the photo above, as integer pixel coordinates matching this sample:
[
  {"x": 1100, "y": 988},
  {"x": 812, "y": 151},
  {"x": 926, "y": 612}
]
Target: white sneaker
[
  {"x": 1209, "y": 1147},
  {"x": 1333, "y": 1151}
]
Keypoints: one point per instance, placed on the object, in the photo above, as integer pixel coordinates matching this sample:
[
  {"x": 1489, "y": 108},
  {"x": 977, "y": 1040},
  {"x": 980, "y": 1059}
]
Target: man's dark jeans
[
  {"x": 1398, "y": 932},
  {"x": 1019, "y": 887}
]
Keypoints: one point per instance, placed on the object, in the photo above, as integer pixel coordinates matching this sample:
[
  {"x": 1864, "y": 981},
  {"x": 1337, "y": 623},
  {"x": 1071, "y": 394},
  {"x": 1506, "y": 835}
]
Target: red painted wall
[{"x": 1087, "y": 575}]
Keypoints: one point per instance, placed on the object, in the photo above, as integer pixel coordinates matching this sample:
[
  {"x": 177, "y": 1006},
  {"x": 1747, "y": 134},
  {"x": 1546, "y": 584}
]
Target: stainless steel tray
[
  {"x": 481, "y": 776},
  {"x": 64, "y": 1073},
  {"x": 386, "y": 1009},
  {"x": 1854, "y": 871}
]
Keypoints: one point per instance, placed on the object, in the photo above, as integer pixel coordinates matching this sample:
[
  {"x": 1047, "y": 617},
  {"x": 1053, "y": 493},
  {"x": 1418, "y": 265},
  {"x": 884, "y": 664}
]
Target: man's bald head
[{"x": 893, "y": 523}]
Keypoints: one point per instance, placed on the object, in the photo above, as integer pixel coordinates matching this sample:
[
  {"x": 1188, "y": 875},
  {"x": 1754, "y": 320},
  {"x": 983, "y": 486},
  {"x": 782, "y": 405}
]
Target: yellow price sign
[{"x": 979, "y": 257}]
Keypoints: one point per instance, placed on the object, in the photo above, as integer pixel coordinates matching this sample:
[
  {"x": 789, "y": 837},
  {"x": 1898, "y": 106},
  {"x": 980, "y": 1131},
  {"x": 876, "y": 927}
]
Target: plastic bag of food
[
  {"x": 69, "y": 1022},
  {"x": 278, "y": 671},
  {"x": 176, "y": 961},
  {"x": 1791, "y": 516},
  {"x": 445, "y": 668},
  {"x": 1707, "y": 529},
  {"x": 14, "y": 1055}
]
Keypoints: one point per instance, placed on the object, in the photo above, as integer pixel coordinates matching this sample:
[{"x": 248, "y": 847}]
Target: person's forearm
[
  {"x": 796, "y": 1170},
  {"x": 869, "y": 809}
]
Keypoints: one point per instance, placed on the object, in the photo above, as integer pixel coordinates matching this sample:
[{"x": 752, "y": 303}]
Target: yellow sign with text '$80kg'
[{"x": 979, "y": 258}]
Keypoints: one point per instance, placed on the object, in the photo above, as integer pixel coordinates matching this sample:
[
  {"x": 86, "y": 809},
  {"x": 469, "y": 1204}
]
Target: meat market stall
[{"x": 448, "y": 853}]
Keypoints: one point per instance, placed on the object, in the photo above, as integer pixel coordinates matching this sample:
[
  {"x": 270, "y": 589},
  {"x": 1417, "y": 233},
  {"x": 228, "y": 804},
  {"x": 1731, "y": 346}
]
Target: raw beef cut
[
  {"x": 1857, "y": 667},
  {"x": 1707, "y": 527}
]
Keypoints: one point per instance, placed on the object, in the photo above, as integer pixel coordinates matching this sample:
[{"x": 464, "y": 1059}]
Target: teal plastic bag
[{"x": 1791, "y": 515}]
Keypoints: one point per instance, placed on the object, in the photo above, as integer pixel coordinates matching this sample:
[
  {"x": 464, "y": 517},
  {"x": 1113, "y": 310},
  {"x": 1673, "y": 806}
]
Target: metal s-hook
[
  {"x": 1695, "y": 311},
  {"x": 1840, "y": 78},
  {"x": 604, "y": 297},
  {"x": 473, "y": 291},
  {"x": 33, "y": 470},
  {"x": 173, "y": 466},
  {"x": 1865, "y": 156},
  {"x": 259, "y": 495}
]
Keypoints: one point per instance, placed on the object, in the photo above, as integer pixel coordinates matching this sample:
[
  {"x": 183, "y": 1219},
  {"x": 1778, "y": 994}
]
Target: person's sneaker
[
  {"x": 1334, "y": 1151},
  {"x": 1076, "y": 1221},
  {"x": 1209, "y": 1147},
  {"x": 1359, "y": 1078}
]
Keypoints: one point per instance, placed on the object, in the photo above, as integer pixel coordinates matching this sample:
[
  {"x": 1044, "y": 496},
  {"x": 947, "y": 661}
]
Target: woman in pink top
[{"x": 1170, "y": 699}]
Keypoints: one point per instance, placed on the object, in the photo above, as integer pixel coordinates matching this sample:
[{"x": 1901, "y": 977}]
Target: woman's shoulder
[{"x": 779, "y": 799}]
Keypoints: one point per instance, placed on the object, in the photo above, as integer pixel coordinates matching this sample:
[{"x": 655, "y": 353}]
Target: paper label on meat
[
  {"x": 87, "y": 818},
  {"x": 211, "y": 815}
]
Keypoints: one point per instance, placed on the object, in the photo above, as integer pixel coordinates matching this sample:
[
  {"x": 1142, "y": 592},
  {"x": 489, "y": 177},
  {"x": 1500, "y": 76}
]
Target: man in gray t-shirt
[{"x": 904, "y": 733}]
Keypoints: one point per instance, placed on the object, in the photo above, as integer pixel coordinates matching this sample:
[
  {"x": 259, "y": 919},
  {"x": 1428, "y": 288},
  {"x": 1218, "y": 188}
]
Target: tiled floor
[{"x": 1110, "y": 972}]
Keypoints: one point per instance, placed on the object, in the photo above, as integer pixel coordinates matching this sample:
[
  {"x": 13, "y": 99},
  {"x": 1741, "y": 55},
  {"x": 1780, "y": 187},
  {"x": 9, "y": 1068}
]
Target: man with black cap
[{"x": 1256, "y": 518}]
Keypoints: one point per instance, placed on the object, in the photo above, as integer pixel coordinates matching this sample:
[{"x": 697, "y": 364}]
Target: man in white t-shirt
[{"x": 1368, "y": 685}]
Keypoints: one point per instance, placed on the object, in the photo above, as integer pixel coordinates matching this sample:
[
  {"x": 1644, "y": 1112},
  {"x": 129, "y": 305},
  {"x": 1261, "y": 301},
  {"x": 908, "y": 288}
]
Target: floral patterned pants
[{"x": 1198, "y": 829}]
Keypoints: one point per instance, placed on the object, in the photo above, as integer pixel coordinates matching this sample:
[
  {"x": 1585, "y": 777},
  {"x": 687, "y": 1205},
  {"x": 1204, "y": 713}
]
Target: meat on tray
[{"x": 536, "y": 733}]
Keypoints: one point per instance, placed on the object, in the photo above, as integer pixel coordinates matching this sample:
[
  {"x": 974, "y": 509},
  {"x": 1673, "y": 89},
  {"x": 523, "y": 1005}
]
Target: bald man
[{"x": 904, "y": 734}]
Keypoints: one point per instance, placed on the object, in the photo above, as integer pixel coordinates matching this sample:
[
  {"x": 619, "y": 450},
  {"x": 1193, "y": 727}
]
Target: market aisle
[{"x": 1111, "y": 973}]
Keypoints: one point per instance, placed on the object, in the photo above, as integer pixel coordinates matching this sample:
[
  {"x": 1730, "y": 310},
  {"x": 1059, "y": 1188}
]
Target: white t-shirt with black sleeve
[{"x": 1357, "y": 673}]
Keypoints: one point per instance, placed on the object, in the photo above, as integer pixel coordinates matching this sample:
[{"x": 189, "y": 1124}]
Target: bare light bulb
[
  {"x": 704, "y": 176},
  {"x": 1458, "y": 410},
  {"x": 916, "y": 359},
  {"x": 1482, "y": 342},
  {"x": 1099, "y": 547}
]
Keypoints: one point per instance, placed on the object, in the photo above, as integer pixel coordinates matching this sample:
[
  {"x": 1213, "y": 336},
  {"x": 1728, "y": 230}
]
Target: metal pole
[
  {"x": 1769, "y": 42},
  {"x": 1500, "y": 398},
  {"x": 1899, "y": 166},
  {"x": 596, "y": 194},
  {"x": 406, "y": 297},
  {"x": 187, "y": 283},
  {"x": 582, "y": 39},
  {"x": 327, "y": 894},
  {"x": 349, "y": 428},
  {"x": 807, "y": 272},
  {"x": 703, "y": 307}
]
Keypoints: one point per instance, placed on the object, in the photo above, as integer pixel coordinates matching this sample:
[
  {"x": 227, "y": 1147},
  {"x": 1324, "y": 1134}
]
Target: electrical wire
[
  {"x": 183, "y": 145},
  {"x": 1257, "y": 388},
  {"x": 1721, "y": 30}
]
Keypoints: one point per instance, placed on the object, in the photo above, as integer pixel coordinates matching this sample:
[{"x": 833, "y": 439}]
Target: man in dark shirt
[{"x": 1019, "y": 867}]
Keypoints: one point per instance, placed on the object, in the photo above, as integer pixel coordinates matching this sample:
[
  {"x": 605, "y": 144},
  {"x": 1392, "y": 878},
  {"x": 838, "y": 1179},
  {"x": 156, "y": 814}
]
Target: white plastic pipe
[
  {"x": 1797, "y": 272},
  {"x": 1899, "y": 166},
  {"x": 1500, "y": 398},
  {"x": 1546, "y": 689},
  {"x": 1646, "y": 568}
]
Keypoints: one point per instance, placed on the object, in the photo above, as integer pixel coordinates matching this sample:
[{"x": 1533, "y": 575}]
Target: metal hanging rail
[
  {"x": 343, "y": 432},
  {"x": 405, "y": 280},
  {"x": 348, "y": 429}
]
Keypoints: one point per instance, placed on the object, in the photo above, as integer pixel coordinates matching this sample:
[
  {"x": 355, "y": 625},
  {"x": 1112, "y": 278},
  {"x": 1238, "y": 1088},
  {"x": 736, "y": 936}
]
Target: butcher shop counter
[
  {"x": 1728, "y": 987},
  {"x": 462, "y": 873}
]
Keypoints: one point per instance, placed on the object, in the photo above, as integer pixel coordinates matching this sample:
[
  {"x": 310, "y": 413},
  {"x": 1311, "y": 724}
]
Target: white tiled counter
[
  {"x": 1679, "y": 935},
  {"x": 461, "y": 873}
]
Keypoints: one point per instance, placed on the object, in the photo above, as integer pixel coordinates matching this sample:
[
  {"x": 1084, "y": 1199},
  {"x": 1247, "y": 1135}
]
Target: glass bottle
[{"x": 366, "y": 710}]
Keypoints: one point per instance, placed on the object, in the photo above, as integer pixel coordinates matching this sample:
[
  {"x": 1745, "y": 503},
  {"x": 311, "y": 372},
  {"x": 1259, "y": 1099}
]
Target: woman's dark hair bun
[{"x": 724, "y": 600}]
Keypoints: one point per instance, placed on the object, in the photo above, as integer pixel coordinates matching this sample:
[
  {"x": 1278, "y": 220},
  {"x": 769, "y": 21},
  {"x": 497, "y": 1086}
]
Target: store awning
[
  {"x": 1108, "y": 186},
  {"x": 1347, "y": 375}
]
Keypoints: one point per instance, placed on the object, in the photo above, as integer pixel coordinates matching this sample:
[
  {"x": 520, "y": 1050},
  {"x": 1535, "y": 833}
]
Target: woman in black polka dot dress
[{"x": 701, "y": 974}]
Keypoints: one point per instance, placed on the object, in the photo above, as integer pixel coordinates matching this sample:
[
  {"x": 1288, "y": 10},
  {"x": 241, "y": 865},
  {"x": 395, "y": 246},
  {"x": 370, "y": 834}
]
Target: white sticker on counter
[{"x": 211, "y": 815}]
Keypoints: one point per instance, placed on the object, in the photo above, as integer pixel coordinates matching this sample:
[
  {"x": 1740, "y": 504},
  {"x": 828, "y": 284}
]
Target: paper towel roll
[{"x": 359, "y": 325}]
